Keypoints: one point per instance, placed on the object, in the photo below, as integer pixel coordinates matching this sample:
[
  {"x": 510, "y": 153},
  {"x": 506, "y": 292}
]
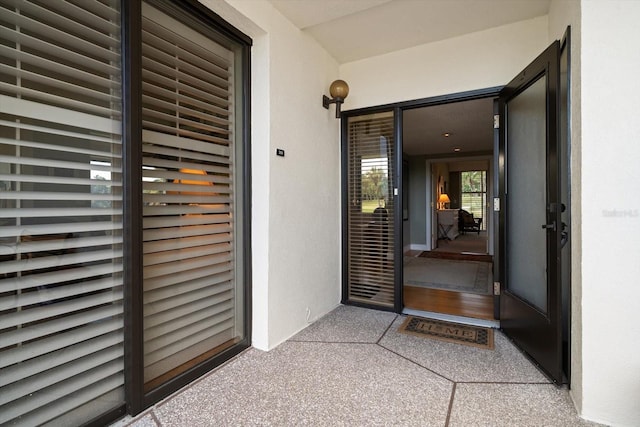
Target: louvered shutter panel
[
  {"x": 61, "y": 324},
  {"x": 188, "y": 163},
  {"x": 370, "y": 245}
]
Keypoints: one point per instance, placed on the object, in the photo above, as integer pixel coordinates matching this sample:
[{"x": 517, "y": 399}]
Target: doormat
[{"x": 446, "y": 331}]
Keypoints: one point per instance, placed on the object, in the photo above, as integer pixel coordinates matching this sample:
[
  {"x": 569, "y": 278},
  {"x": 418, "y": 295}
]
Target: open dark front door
[{"x": 530, "y": 223}]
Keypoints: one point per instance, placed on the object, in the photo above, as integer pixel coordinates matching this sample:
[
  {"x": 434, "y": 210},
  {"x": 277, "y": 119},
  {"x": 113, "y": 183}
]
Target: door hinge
[
  {"x": 496, "y": 121},
  {"x": 496, "y": 288},
  {"x": 496, "y": 204}
]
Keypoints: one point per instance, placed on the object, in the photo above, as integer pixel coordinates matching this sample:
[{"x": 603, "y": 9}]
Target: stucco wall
[
  {"x": 610, "y": 211},
  {"x": 296, "y": 234}
]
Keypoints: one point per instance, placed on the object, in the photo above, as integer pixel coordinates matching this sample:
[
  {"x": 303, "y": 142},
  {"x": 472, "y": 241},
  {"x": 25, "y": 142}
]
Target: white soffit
[{"x": 355, "y": 29}]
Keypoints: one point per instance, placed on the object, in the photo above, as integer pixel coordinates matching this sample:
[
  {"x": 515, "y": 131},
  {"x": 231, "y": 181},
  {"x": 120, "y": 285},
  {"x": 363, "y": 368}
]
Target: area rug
[
  {"x": 451, "y": 275},
  {"x": 474, "y": 336}
]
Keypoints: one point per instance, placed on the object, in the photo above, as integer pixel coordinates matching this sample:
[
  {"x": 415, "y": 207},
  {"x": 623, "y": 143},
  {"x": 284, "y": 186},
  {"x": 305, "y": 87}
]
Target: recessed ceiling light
[
  {"x": 447, "y": 134},
  {"x": 456, "y": 149}
]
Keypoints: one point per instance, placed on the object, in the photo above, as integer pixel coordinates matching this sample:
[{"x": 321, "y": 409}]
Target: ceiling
[
  {"x": 468, "y": 123},
  {"x": 356, "y": 29}
]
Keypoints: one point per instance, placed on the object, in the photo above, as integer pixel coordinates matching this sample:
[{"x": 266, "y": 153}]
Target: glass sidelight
[{"x": 370, "y": 172}]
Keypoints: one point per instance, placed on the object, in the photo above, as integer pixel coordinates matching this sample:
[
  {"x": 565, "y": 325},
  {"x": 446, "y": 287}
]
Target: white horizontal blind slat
[
  {"x": 193, "y": 318},
  {"x": 58, "y": 212},
  {"x": 61, "y": 342},
  {"x": 80, "y": 75},
  {"x": 188, "y": 226},
  {"x": 150, "y": 211},
  {"x": 221, "y": 281},
  {"x": 169, "y": 176},
  {"x": 167, "y": 281},
  {"x": 153, "y": 90},
  {"x": 60, "y": 116},
  {"x": 220, "y": 96},
  {"x": 211, "y": 338},
  {"x": 79, "y": 227},
  {"x": 62, "y": 164},
  {"x": 187, "y": 111},
  {"x": 176, "y": 341},
  {"x": 49, "y": 245},
  {"x": 107, "y": 22},
  {"x": 58, "y": 84},
  {"x": 47, "y": 97},
  {"x": 60, "y": 391},
  {"x": 58, "y": 260},
  {"x": 16, "y": 336},
  {"x": 45, "y": 362},
  {"x": 154, "y": 163},
  {"x": 107, "y": 10},
  {"x": 45, "y": 296},
  {"x": 189, "y": 329},
  {"x": 81, "y": 29},
  {"x": 178, "y": 233},
  {"x": 185, "y": 220},
  {"x": 152, "y": 247},
  {"x": 64, "y": 44},
  {"x": 200, "y": 50},
  {"x": 96, "y": 398},
  {"x": 42, "y": 279},
  {"x": 85, "y": 136},
  {"x": 38, "y": 381},
  {"x": 220, "y": 87},
  {"x": 185, "y": 265},
  {"x": 189, "y": 145}
]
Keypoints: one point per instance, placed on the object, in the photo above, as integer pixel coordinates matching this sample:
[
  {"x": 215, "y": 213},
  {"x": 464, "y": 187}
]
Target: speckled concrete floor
[{"x": 352, "y": 368}]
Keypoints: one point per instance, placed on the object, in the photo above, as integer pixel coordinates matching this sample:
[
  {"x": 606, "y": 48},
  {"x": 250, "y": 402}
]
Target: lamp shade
[{"x": 444, "y": 198}]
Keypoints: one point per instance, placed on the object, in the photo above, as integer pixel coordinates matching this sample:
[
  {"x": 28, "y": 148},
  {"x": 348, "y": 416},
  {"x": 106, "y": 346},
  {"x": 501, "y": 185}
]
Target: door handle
[{"x": 551, "y": 226}]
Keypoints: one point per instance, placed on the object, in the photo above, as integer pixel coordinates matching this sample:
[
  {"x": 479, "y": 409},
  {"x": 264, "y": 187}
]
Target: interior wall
[
  {"x": 418, "y": 202},
  {"x": 610, "y": 211},
  {"x": 474, "y": 61},
  {"x": 296, "y": 198}
]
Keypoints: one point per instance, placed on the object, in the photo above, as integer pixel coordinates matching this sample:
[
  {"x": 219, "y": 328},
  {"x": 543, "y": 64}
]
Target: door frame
[{"x": 398, "y": 109}]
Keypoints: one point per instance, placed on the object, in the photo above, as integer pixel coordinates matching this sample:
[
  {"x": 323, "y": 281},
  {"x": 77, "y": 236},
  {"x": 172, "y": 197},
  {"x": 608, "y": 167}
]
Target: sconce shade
[{"x": 339, "y": 89}]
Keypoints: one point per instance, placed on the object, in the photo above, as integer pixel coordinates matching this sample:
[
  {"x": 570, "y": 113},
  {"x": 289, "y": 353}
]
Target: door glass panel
[
  {"x": 192, "y": 180},
  {"x": 526, "y": 195},
  {"x": 371, "y": 210}
]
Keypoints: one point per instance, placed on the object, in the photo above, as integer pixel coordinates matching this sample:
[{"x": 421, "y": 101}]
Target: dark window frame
[{"x": 204, "y": 20}]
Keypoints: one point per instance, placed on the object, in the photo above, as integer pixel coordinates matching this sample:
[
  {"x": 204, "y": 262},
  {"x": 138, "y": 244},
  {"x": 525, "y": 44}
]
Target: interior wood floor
[{"x": 448, "y": 302}]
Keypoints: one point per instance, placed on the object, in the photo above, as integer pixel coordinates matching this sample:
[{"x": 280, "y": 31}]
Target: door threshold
[{"x": 495, "y": 324}]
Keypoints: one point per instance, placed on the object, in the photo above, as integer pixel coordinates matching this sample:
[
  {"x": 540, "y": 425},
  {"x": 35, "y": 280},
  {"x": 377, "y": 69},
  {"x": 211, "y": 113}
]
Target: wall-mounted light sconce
[{"x": 339, "y": 90}]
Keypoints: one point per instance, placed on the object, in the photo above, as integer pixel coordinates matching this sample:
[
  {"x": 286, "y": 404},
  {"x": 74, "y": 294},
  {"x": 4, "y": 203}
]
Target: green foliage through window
[{"x": 474, "y": 193}]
